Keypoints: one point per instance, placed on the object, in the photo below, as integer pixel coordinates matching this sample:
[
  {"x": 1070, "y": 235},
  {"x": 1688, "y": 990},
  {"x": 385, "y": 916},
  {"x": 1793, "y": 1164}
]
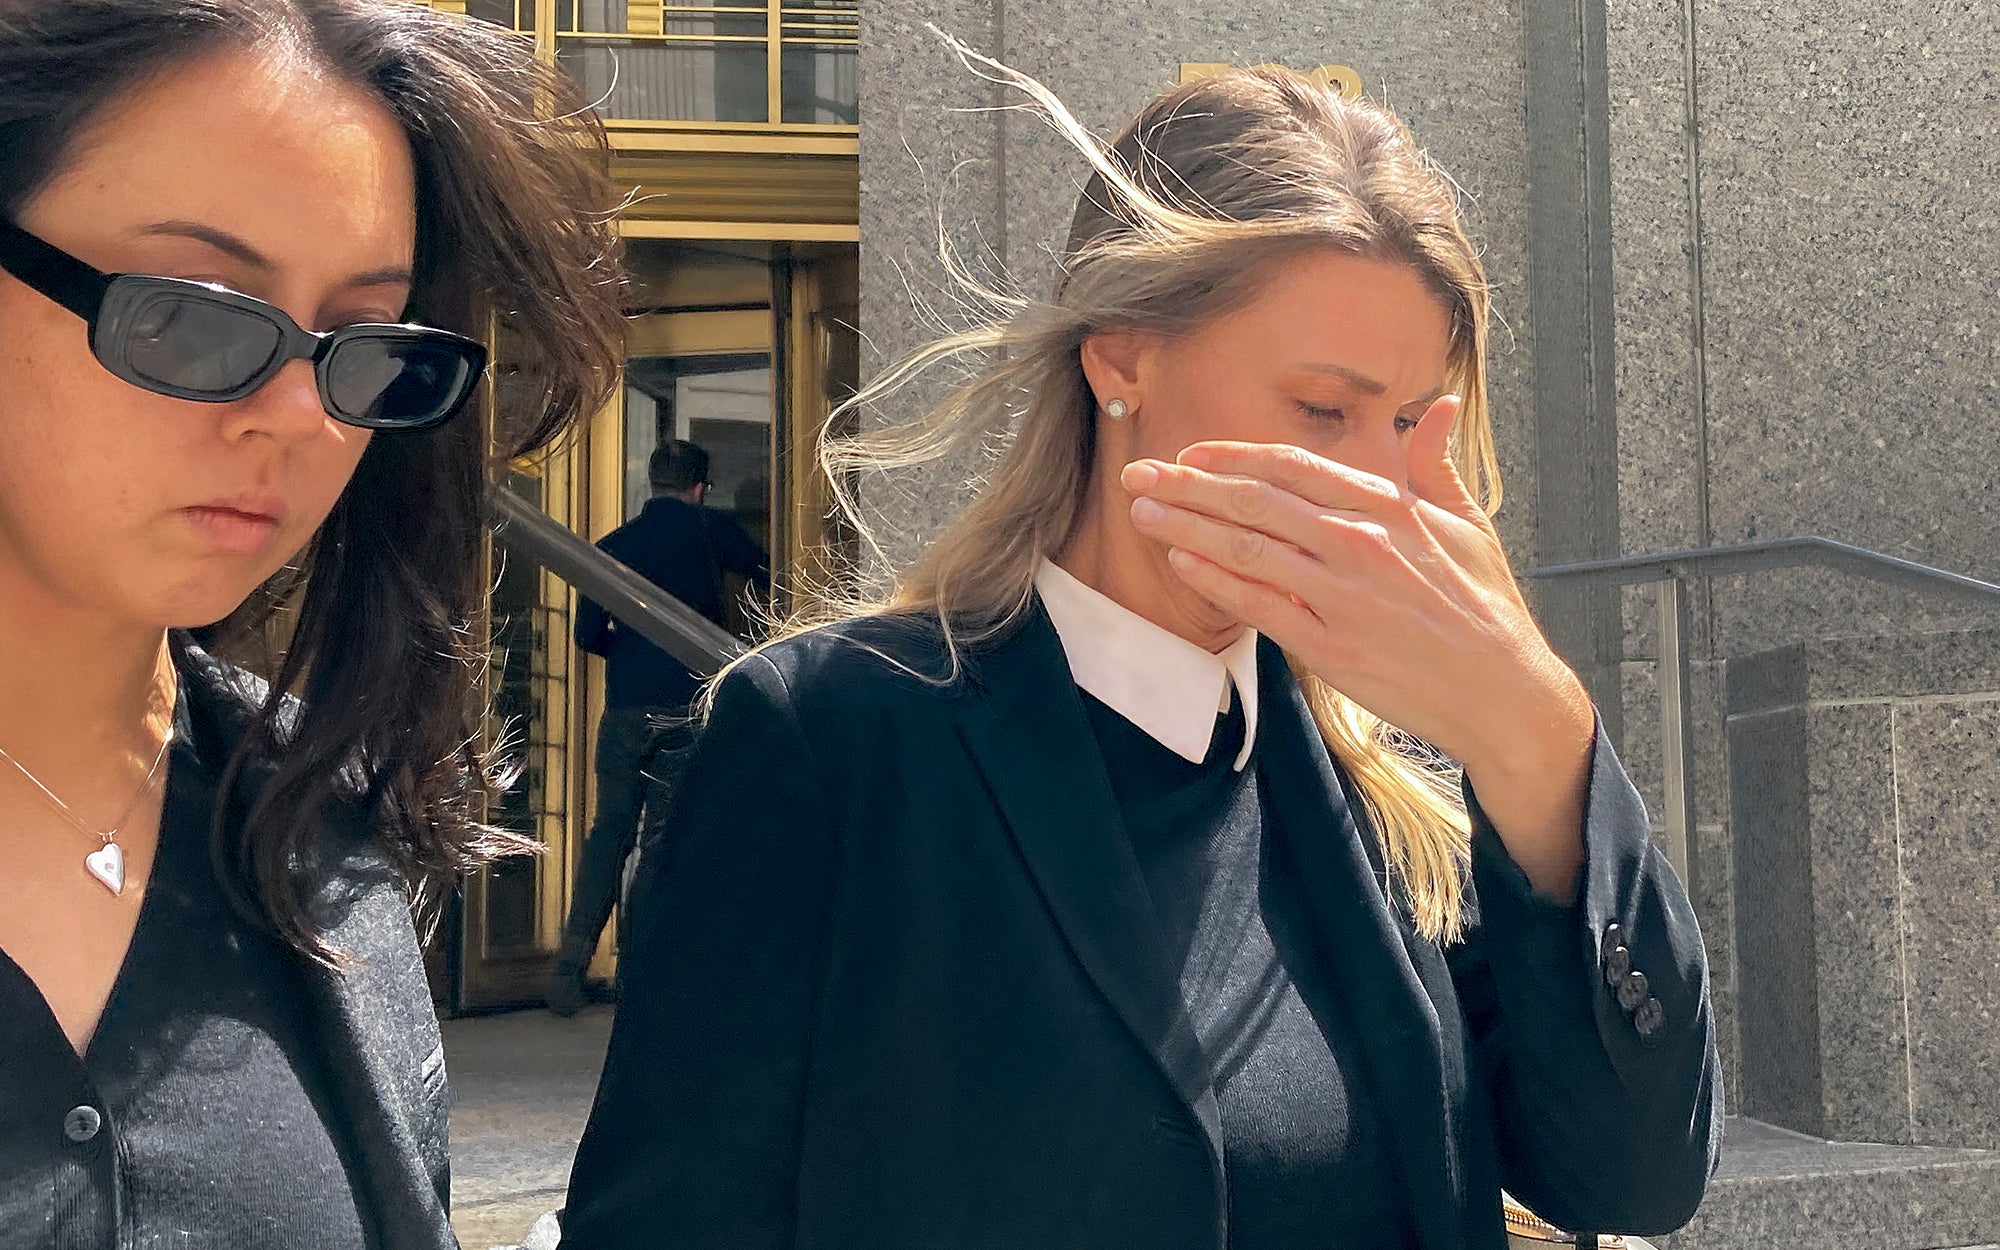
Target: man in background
[{"x": 685, "y": 549}]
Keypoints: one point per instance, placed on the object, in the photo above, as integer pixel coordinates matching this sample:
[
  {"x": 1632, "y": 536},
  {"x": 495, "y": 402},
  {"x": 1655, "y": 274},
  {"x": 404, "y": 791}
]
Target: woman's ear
[{"x": 1115, "y": 362}]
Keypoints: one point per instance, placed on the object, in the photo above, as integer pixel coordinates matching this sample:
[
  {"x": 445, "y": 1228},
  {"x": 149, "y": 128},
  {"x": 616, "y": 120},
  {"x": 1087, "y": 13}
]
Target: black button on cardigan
[{"x": 199, "y": 1113}]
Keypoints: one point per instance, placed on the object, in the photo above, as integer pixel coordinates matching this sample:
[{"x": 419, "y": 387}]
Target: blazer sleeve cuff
[
  {"x": 1614, "y": 1054},
  {"x": 1629, "y": 938}
]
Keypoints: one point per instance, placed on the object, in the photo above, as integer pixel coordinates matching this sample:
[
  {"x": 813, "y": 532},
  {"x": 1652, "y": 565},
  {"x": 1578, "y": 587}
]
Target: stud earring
[{"x": 1116, "y": 410}]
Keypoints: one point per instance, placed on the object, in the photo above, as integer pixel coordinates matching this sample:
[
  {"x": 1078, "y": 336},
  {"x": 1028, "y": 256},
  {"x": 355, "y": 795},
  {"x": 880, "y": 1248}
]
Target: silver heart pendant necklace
[{"x": 107, "y": 862}]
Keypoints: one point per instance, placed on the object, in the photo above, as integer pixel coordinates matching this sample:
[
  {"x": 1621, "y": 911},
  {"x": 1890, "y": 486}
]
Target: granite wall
[
  {"x": 1830, "y": 367},
  {"x": 1866, "y": 802},
  {"x": 1804, "y": 250}
]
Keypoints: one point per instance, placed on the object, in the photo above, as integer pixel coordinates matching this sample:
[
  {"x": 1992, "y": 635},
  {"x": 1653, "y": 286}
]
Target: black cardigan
[
  {"x": 373, "y": 1018},
  {"x": 895, "y": 986}
]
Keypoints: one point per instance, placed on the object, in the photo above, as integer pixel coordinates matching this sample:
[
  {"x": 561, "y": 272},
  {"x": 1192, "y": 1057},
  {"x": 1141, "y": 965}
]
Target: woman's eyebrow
[
  {"x": 392, "y": 275},
  {"x": 1363, "y": 382},
  {"x": 1360, "y": 380},
  {"x": 221, "y": 240},
  {"x": 241, "y": 250}
]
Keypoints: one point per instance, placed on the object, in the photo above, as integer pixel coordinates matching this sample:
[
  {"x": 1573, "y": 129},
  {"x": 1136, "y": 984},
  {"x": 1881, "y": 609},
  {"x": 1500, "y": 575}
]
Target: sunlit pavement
[{"x": 521, "y": 1088}]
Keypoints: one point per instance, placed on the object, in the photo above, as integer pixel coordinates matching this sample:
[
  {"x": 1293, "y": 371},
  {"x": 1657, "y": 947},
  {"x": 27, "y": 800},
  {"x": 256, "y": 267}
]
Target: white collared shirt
[{"x": 1154, "y": 678}]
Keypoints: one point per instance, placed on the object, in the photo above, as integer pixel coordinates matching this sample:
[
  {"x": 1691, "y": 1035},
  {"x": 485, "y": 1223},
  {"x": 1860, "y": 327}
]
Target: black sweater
[
  {"x": 1305, "y": 1160},
  {"x": 684, "y": 549}
]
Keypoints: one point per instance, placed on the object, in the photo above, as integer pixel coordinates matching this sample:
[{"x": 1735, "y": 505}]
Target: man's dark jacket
[
  {"x": 684, "y": 549},
  {"x": 900, "y": 987}
]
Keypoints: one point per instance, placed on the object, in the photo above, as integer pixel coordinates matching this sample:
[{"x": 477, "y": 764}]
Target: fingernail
[
  {"x": 1148, "y": 511},
  {"x": 1140, "y": 476}
]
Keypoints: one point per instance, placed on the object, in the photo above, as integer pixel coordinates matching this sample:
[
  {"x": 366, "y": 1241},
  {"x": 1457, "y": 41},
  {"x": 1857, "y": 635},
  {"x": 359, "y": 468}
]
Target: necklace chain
[{"x": 106, "y": 836}]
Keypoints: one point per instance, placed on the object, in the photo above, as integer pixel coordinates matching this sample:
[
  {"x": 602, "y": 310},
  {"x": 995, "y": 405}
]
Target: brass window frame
[{"x": 786, "y": 25}]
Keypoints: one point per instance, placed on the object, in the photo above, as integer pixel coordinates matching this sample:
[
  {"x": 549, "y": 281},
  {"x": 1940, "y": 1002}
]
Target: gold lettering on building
[
  {"x": 1342, "y": 78},
  {"x": 645, "y": 17}
]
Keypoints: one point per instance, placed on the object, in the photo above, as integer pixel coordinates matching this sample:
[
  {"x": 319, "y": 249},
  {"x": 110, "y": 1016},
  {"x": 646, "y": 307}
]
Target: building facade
[
  {"x": 1743, "y": 261},
  {"x": 736, "y": 153}
]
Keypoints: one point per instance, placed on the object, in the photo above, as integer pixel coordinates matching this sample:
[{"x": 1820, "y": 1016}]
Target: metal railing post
[
  {"x": 1674, "y": 570},
  {"x": 1676, "y": 721}
]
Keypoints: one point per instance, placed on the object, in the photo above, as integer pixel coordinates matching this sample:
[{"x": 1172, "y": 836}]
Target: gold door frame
[
  {"x": 583, "y": 487},
  {"x": 729, "y": 332},
  {"x": 491, "y": 973},
  {"x": 781, "y": 186}
]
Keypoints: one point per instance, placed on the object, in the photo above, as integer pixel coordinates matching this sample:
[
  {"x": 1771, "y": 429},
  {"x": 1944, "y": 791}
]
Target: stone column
[{"x": 1865, "y": 803}]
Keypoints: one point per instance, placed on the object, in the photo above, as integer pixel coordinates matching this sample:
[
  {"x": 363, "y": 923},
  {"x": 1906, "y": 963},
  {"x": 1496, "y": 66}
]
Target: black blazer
[
  {"x": 374, "y": 1019},
  {"x": 898, "y": 984}
]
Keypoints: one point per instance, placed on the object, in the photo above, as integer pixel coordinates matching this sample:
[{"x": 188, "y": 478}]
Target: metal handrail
[
  {"x": 1772, "y": 554},
  {"x": 655, "y": 615},
  {"x": 1674, "y": 570}
]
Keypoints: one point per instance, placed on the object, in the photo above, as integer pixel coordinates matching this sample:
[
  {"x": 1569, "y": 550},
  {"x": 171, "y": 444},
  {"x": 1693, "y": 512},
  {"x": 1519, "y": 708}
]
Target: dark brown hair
[
  {"x": 677, "y": 465},
  {"x": 515, "y": 239}
]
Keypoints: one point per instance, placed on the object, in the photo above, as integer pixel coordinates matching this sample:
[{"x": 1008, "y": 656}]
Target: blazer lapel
[
  {"x": 1030, "y": 739},
  {"x": 1363, "y": 942}
]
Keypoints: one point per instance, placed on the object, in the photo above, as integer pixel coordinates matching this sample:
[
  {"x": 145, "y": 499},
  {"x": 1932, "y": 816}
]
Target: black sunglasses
[{"x": 192, "y": 340}]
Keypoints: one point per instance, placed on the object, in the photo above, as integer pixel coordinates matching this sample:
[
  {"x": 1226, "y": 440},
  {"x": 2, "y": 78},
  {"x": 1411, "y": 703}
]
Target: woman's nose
[
  {"x": 286, "y": 407},
  {"x": 1384, "y": 453}
]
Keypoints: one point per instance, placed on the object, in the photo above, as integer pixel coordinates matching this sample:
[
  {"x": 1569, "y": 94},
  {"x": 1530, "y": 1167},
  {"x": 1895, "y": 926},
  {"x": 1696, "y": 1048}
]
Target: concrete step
[{"x": 1778, "y": 1190}]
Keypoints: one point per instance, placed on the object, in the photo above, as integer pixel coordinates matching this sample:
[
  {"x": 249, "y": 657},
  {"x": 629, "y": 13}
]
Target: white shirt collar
[{"x": 1154, "y": 678}]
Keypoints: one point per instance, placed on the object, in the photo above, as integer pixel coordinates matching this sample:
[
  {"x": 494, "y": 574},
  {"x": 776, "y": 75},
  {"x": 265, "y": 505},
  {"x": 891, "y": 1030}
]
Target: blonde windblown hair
[{"x": 1186, "y": 211}]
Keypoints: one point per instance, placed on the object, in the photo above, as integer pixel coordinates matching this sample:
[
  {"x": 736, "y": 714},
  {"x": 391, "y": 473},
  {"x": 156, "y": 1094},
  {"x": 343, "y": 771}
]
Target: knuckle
[
  {"x": 1250, "y": 499},
  {"x": 1295, "y": 461},
  {"x": 1389, "y": 493},
  {"x": 1375, "y": 536},
  {"x": 1247, "y": 547}
]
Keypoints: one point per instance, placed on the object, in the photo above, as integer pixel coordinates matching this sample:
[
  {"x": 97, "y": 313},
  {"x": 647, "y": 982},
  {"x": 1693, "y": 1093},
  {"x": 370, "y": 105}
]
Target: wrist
[{"x": 1542, "y": 733}]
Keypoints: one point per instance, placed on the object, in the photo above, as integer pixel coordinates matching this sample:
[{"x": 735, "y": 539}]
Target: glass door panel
[
  {"x": 720, "y": 403},
  {"x": 706, "y": 377}
]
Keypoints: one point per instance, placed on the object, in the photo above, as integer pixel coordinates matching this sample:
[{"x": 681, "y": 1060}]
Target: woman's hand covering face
[{"x": 1398, "y": 596}]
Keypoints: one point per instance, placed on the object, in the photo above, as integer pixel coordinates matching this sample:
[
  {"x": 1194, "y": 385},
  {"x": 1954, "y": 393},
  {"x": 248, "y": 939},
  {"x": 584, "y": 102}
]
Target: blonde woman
[{"x": 1080, "y": 893}]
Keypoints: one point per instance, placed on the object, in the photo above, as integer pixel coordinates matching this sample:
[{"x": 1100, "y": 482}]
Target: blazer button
[
  {"x": 81, "y": 1124},
  {"x": 1632, "y": 991},
  {"x": 1649, "y": 1018},
  {"x": 1614, "y": 938},
  {"x": 1617, "y": 966}
]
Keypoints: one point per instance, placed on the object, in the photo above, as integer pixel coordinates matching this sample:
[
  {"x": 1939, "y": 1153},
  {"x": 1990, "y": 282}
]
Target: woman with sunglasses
[{"x": 249, "y": 250}]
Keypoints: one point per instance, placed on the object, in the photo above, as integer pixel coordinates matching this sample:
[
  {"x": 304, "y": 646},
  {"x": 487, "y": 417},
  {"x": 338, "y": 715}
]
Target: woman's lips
[{"x": 235, "y": 531}]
